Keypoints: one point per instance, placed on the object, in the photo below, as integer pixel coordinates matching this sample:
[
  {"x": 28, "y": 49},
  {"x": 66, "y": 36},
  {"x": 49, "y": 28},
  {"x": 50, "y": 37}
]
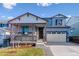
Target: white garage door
[{"x": 56, "y": 37}]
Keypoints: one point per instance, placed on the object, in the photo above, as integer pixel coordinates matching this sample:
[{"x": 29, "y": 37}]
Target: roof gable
[
  {"x": 28, "y": 18},
  {"x": 59, "y": 16}
]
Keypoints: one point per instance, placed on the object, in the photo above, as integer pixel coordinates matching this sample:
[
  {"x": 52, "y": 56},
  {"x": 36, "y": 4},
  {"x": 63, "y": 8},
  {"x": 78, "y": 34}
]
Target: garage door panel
[{"x": 56, "y": 37}]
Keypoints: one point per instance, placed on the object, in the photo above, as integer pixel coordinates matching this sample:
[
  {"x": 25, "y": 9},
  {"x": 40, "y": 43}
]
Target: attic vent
[
  {"x": 27, "y": 14},
  {"x": 19, "y": 19},
  {"x": 36, "y": 18}
]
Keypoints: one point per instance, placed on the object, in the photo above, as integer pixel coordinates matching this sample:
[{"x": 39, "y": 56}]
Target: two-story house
[
  {"x": 56, "y": 29},
  {"x": 32, "y": 28}
]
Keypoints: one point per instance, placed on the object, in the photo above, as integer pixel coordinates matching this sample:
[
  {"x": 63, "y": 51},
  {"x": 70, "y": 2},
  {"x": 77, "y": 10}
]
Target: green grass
[{"x": 22, "y": 52}]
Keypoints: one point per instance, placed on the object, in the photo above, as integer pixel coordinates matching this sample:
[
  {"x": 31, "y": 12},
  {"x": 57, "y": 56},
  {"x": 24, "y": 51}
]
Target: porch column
[
  {"x": 12, "y": 38},
  {"x": 17, "y": 29},
  {"x": 32, "y": 32},
  {"x": 17, "y": 32}
]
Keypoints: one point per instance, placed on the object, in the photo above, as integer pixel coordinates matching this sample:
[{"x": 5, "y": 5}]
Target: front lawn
[{"x": 22, "y": 52}]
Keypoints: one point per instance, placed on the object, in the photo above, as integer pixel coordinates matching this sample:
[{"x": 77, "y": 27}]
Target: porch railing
[{"x": 24, "y": 39}]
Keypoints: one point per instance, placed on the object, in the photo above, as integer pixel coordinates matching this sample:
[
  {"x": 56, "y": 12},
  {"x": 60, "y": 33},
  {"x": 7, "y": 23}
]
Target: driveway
[{"x": 64, "y": 49}]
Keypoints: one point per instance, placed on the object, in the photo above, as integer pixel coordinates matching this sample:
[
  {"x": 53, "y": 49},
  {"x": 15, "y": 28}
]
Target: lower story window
[
  {"x": 49, "y": 32},
  {"x": 63, "y": 32},
  {"x": 56, "y": 32},
  {"x": 59, "y": 32},
  {"x": 25, "y": 29},
  {"x": 53, "y": 32}
]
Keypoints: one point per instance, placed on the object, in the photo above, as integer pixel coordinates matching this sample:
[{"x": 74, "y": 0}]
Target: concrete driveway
[{"x": 64, "y": 49}]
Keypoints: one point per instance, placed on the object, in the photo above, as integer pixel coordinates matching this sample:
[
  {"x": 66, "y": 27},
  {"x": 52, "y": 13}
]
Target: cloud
[
  {"x": 10, "y": 17},
  {"x": 56, "y": 3},
  {"x": 6, "y": 17},
  {"x": 44, "y": 4},
  {"x": 9, "y": 5},
  {"x": 68, "y": 15},
  {"x": 2, "y": 16}
]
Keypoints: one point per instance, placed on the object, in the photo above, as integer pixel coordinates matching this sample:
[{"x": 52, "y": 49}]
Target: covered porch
[{"x": 27, "y": 32}]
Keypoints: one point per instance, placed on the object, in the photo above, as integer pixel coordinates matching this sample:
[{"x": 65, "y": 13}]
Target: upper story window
[
  {"x": 58, "y": 22},
  {"x": 3, "y": 25},
  {"x": 50, "y": 22},
  {"x": 59, "y": 19}
]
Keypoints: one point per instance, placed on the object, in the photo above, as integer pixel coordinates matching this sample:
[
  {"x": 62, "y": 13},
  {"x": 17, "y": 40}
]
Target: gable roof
[
  {"x": 60, "y": 15},
  {"x": 55, "y": 16},
  {"x": 72, "y": 20},
  {"x": 26, "y": 14}
]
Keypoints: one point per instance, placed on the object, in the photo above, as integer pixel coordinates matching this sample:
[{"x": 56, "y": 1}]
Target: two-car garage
[{"x": 56, "y": 36}]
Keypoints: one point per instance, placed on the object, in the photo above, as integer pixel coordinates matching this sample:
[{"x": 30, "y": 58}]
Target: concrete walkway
[
  {"x": 46, "y": 48},
  {"x": 64, "y": 49}
]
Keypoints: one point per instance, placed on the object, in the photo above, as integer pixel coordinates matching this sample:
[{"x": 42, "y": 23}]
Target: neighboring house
[
  {"x": 75, "y": 29},
  {"x": 74, "y": 32},
  {"x": 3, "y": 24},
  {"x": 4, "y": 32},
  {"x": 74, "y": 23},
  {"x": 31, "y": 28}
]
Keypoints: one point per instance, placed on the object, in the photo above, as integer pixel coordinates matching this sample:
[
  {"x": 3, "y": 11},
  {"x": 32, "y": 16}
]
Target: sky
[{"x": 12, "y": 10}]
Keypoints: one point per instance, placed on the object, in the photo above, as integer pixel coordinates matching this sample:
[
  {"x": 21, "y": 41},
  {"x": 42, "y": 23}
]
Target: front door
[{"x": 40, "y": 32}]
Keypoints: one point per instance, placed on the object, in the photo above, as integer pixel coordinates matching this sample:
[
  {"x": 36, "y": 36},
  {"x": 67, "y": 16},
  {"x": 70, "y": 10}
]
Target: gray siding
[
  {"x": 28, "y": 19},
  {"x": 56, "y": 29},
  {"x": 52, "y": 20}
]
